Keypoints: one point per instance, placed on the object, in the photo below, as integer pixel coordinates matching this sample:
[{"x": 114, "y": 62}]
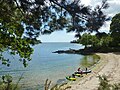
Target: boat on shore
[
  {"x": 71, "y": 78},
  {"x": 78, "y": 75},
  {"x": 83, "y": 72}
]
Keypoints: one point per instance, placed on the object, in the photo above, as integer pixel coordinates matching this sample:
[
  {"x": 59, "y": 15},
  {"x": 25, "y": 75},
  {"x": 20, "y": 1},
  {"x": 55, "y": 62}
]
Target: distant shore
[
  {"x": 109, "y": 65},
  {"x": 73, "y": 51},
  {"x": 89, "y": 50}
]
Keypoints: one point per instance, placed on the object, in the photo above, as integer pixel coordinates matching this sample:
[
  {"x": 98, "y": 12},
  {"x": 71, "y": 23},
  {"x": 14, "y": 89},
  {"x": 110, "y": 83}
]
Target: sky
[{"x": 62, "y": 36}]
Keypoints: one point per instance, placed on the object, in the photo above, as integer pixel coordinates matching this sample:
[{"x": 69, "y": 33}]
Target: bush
[{"x": 104, "y": 84}]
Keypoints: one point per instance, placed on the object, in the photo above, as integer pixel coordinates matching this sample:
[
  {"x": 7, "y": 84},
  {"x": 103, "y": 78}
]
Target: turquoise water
[{"x": 45, "y": 65}]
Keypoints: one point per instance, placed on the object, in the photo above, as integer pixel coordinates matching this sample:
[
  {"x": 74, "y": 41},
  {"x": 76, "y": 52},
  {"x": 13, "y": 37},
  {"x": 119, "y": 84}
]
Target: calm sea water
[{"x": 44, "y": 65}]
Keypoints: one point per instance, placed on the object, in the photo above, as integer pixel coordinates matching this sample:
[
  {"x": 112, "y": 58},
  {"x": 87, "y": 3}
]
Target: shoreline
[{"x": 108, "y": 65}]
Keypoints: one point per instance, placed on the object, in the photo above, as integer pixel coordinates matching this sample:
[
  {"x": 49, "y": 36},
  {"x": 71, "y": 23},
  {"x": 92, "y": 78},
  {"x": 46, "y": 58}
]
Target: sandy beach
[{"x": 109, "y": 65}]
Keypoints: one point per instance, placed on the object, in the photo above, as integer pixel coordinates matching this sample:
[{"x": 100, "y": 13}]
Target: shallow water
[{"x": 44, "y": 65}]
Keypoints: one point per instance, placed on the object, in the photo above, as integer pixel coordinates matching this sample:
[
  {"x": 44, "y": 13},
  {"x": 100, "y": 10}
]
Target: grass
[{"x": 12, "y": 86}]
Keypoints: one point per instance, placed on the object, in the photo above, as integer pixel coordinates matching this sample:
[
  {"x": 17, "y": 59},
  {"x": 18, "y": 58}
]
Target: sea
[{"x": 44, "y": 65}]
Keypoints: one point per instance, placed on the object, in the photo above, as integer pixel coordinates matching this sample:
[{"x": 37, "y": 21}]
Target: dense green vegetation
[
  {"x": 95, "y": 41},
  {"x": 102, "y": 41},
  {"x": 115, "y": 30}
]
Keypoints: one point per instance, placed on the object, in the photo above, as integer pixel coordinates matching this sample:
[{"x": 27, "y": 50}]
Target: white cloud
[
  {"x": 114, "y": 7},
  {"x": 105, "y": 27},
  {"x": 86, "y": 2},
  {"x": 111, "y": 11}
]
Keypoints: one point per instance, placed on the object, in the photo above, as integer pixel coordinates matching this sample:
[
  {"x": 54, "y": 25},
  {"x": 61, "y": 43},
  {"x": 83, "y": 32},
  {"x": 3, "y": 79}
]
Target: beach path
[{"x": 110, "y": 66}]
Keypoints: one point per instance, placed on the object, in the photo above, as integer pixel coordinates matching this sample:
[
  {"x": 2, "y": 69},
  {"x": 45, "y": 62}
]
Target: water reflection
[{"x": 89, "y": 60}]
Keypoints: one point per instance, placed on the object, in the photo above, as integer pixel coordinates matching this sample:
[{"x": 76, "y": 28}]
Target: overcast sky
[{"x": 62, "y": 36}]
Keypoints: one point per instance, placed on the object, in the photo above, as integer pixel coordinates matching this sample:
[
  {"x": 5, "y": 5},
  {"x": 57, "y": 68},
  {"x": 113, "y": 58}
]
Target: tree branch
[{"x": 19, "y": 7}]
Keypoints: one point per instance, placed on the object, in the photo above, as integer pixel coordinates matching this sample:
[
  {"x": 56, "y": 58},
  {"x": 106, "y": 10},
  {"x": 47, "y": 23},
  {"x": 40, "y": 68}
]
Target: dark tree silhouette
[
  {"x": 115, "y": 30},
  {"x": 22, "y": 21}
]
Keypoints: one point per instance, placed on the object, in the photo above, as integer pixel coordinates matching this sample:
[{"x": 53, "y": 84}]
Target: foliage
[
  {"x": 97, "y": 18},
  {"x": 22, "y": 21},
  {"x": 85, "y": 39},
  {"x": 55, "y": 87},
  {"x": 116, "y": 86},
  {"x": 96, "y": 40},
  {"x": 105, "y": 41},
  {"x": 11, "y": 33},
  {"x": 104, "y": 84},
  {"x": 6, "y": 83},
  {"x": 91, "y": 22},
  {"x": 88, "y": 39},
  {"x": 47, "y": 84},
  {"x": 115, "y": 30},
  {"x": 60, "y": 87}
]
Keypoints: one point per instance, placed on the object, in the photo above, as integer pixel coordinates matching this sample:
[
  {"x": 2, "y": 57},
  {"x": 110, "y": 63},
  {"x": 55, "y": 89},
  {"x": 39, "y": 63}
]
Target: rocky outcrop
[{"x": 73, "y": 51}]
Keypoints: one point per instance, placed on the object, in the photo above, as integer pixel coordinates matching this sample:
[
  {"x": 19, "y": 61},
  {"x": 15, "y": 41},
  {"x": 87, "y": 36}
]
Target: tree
[
  {"x": 97, "y": 18},
  {"x": 90, "y": 22},
  {"x": 11, "y": 33},
  {"x": 95, "y": 41},
  {"x": 22, "y": 21},
  {"x": 115, "y": 30},
  {"x": 86, "y": 39},
  {"x": 105, "y": 41}
]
